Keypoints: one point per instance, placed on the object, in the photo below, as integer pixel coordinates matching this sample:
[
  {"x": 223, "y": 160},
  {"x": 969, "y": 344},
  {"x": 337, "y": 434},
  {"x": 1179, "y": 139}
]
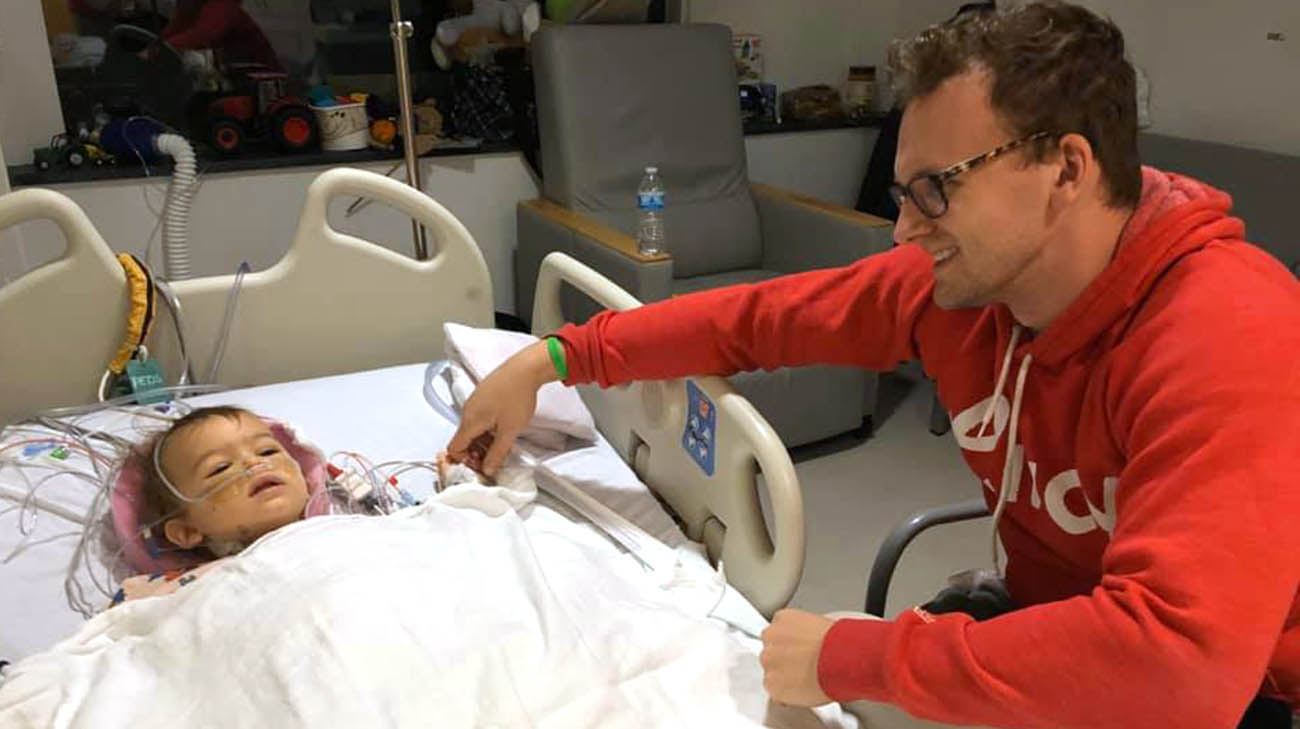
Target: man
[{"x": 1122, "y": 370}]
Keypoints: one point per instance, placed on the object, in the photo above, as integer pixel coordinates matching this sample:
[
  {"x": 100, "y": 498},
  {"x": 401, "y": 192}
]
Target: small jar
[{"x": 860, "y": 91}]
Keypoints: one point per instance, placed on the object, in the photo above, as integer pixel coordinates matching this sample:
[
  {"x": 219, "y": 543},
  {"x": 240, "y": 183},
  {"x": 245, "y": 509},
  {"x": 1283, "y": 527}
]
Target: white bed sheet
[{"x": 381, "y": 414}]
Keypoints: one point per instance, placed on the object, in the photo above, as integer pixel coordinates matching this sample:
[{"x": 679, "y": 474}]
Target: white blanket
[{"x": 452, "y": 614}]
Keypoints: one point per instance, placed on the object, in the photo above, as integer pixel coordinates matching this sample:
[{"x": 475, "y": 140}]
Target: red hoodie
[
  {"x": 1152, "y": 497},
  {"x": 222, "y": 25}
]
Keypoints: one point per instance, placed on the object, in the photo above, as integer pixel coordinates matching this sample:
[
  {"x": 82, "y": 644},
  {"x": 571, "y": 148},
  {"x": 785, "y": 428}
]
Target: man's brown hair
[{"x": 1055, "y": 67}]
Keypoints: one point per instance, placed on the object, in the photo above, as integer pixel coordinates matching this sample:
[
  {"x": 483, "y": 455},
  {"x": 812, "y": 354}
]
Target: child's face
[{"x": 259, "y": 486}]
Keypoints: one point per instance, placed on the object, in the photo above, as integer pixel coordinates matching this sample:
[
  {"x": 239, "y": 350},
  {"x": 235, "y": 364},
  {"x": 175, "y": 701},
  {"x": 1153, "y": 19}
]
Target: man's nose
[{"x": 911, "y": 224}]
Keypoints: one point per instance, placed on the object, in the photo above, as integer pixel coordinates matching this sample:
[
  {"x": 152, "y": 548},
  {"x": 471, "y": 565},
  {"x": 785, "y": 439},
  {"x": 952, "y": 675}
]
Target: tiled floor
[{"x": 854, "y": 496}]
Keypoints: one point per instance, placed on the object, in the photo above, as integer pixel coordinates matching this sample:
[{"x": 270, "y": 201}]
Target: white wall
[
  {"x": 916, "y": 15},
  {"x": 1213, "y": 73},
  {"x": 11, "y": 261},
  {"x": 807, "y": 42},
  {"x": 29, "y": 106},
  {"x": 816, "y": 41}
]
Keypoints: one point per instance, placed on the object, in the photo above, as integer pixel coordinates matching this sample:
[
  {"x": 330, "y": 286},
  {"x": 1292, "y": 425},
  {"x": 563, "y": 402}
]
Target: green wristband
[{"x": 557, "y": 357}]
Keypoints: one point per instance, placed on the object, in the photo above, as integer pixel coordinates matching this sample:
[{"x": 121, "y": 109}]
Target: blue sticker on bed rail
[{"x": 700, "y": 436}]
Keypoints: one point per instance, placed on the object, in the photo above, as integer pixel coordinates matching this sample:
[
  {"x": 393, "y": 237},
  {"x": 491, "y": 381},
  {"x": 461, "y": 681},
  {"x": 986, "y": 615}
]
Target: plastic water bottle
[{"x": 650, "y": 201}]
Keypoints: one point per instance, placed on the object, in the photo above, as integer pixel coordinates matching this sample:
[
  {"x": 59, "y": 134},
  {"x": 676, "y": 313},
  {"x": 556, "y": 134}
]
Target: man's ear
[
  {"x": 181, "y": 533},
  {"x": 1077, "y": 162}
]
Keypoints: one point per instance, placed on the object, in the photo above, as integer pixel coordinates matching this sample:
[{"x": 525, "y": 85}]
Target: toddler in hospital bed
[{"x": 211, "y": 484}]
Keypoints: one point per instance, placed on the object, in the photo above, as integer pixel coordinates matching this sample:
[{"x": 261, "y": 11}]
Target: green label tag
[{"x": 146, "y": 376}]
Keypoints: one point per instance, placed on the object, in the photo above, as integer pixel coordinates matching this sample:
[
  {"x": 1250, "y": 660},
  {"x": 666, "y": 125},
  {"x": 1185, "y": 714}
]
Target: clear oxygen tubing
[{"x": 231, "y": 301}]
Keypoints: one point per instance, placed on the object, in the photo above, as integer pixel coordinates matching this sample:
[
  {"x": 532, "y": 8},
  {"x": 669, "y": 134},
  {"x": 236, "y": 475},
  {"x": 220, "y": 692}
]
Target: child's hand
[
  {"x": 466, "y": 467},
  {"x": 475, "y": 454}
]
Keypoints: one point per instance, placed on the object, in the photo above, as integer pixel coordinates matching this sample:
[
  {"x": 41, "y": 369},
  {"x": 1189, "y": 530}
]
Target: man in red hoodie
[
  {"x": 1122, "y": 372},
  {"x": 221, "y": 25}
]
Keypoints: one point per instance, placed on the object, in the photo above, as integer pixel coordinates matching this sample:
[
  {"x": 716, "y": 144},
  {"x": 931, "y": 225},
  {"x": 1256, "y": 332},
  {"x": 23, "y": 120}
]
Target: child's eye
[
  {"x": 219, "y": 469},
  {"x": 269, "y": 451}
]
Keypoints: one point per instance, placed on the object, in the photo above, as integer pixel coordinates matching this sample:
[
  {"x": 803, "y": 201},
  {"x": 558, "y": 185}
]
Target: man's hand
[
  {"x": 502, "y": 405},
  {"x": 791, "y": 647}
]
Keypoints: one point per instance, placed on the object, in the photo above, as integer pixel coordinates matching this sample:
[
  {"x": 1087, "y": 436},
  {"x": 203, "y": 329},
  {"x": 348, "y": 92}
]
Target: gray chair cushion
[
  {"x": 718, "y": 280},
  {"x": 807, "y": 404},
  {"x": 612, "y": 100}
]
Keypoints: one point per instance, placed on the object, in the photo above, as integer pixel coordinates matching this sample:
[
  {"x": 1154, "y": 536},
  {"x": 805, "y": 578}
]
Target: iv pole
[{"x": 401, "y": 30}]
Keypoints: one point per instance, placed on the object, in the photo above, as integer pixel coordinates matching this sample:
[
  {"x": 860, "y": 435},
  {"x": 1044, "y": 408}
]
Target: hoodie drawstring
[
  {"x": 1009, "y": 462},
  {"x": 1002, "y": 380}
]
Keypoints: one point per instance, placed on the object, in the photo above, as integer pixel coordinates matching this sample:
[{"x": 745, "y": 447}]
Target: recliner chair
[{"x": 612, "y": 100}]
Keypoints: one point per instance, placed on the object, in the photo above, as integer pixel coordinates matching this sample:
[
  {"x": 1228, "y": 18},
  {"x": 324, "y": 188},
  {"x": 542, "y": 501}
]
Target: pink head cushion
[{"x": 128, "y": 498}]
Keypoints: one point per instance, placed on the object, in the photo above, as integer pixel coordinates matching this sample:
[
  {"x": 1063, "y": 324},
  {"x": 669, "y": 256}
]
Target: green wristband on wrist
[{"x": 557, "y": 357}]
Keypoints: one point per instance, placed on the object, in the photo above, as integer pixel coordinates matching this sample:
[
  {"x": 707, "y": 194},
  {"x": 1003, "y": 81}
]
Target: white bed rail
[
  {"x": 61, "y": 323},
  {"x": 334, "y": 304},
  {"x": 645, "y": 422}
]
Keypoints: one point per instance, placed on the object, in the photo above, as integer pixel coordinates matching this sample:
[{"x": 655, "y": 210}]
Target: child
[
  {"x": 218, "y": 479},
  {"x": 211, "y": 484}
]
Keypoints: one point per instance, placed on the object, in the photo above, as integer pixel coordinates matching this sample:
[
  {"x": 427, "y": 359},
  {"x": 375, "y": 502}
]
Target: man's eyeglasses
[{"x": 926, "y": 189}]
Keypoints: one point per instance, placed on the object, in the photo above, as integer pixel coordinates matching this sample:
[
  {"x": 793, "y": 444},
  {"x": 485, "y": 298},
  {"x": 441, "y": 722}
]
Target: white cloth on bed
[
  {"x": 449, "y": 614},
  {"x": 559, "y": 408}
]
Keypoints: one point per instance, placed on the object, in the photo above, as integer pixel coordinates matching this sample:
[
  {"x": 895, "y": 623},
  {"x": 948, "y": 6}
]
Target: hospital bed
[{"x": 334, "y": 339}]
